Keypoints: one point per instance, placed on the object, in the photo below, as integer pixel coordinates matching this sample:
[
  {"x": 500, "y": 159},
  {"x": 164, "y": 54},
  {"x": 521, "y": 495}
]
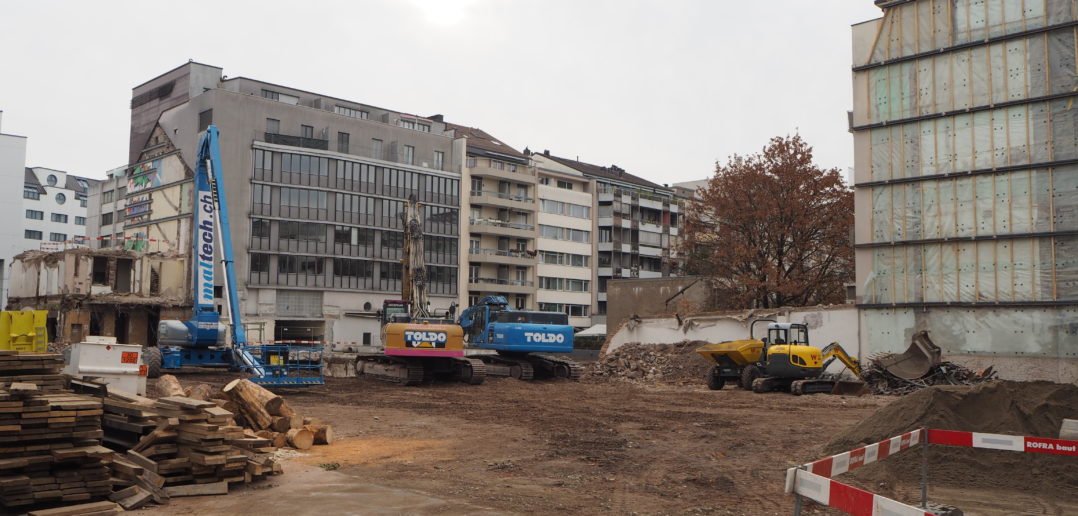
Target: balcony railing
[
  {"x": 499, "y": 281},
  {"x": 297, "y": 141},
  {"x": 502, "y": 223},
  {"x": 512, "y": 253},
  {"x": 501, "y": 195}
]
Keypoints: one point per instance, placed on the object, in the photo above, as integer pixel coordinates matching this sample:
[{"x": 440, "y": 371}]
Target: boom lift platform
[{"x": 202, "y": 340}]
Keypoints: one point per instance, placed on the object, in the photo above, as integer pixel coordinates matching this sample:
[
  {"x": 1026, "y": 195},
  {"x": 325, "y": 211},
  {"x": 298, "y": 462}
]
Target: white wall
[
  {"x": 49, "y": 205},
  {"x": 12, "y": 167},
  {"x": 833, "y": 324}
]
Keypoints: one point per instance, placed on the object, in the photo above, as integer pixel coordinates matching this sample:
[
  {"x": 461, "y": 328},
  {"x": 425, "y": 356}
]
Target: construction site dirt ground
[{"x": 565, "y": 447}]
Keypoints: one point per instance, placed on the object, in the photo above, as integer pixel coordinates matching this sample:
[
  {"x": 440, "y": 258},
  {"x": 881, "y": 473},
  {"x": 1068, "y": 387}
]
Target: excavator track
[
  {"x": 471, "y": 370},
  {"x": 811, "y": 386},
  {"x": 504, "y": 366},
  {"x": 550, "y": 366},
  {"x": 392, "y": 370}
]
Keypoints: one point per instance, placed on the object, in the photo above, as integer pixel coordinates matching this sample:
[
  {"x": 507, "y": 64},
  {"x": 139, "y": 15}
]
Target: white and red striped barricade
[{"x": 1004, "y": 442}]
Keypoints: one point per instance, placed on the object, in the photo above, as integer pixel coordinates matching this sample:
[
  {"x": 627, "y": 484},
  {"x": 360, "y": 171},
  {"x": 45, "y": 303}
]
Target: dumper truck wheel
[
  {"x": 152, "y": 358},
  {"x": 715, "y": 381},
  {"x": 749, "y": 374}
]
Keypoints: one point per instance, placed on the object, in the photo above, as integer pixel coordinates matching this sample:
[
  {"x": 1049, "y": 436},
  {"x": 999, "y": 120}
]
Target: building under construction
[{"x": 966, "y": 167}]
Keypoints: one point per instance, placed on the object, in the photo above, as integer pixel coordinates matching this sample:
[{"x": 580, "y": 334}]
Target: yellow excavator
[{"x": 783, "y": 360}]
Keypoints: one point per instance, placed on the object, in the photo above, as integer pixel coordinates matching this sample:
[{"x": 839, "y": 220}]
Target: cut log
[
  {"x": 278, "y": 407},
  {"x": 251, "y": 400},
  {"x": 311, "y": 421},
  {"x": 168, "y": 385},
  {"x": 279, "y": 440},
  {"x": 281, "y": 424},
  {"x": 201, "y": 391},
  {"x": 323, "y": 434},
  {"x": 300, "y": 439}
]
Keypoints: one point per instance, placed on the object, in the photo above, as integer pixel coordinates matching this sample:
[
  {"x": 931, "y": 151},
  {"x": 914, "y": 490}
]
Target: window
[
  {"x": 559, "y": 233},
  {"x": 35, "y": 214},
  {"x": 303, "y": 164},
  {"x": 565, "y": 185},
  {"x": 342, "y": 142},
  {"x": 303, "y": 198},
  {"x": 306, "y": 131},
  {"x": 260, "y": 228},
  {"x": 108, "y": 196},
  {"x": 409, "y": 154},
  {"x": 31, "y": 235},
  {"x": 273, "y": 126},
  {"x": 260, "y": 194},
  {"x": 570, "y": 310},
  {"x": 80, "y": 221},
  {"x": 376, "y": 148},
  {"x": 59, "y": 217},
  {"x": 572, "y": 260},
  {"x": 51, "y": 180},
  {"x": 259, "y": 262},
  {"x": 439, "y": 160},
  {"x": 347, "y": 111},
  {"x": 57, "y": 237},
  {"x": 106, "y": 218},
  {"x": 270, "y": 94},
  {"x": 205, "y": 118},
  {"x": 472, "y": 162},
  {"x": 544, "y": 180},
  {"x": 30, "y": 193},
  {"x": 302, "y": 231},
  {"x": 61, "y": 198}
]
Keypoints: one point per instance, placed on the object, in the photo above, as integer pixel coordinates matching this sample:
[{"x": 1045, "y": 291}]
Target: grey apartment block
[
  {"x": 315, "y": 185},
  {"x": 636, "y": 225},
  {"x": 966, "y": 172}
]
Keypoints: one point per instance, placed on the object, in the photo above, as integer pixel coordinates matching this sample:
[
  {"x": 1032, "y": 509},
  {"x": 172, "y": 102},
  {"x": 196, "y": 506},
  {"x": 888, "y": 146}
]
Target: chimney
[
  {"x": 437, "y": 118},
  {"x": 1, "y": 120},
  {"x": 546, "y": 152}
]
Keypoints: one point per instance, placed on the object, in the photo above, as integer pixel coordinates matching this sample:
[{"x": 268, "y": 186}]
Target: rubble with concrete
[{"x": 667, "y": 363}]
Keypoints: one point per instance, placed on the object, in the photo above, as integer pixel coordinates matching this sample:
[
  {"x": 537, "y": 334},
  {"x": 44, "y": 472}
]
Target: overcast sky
[{"x": 663, "y": 89}]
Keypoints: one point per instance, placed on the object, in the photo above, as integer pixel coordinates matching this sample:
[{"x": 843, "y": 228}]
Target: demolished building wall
[{"x": 109, "y": 292}]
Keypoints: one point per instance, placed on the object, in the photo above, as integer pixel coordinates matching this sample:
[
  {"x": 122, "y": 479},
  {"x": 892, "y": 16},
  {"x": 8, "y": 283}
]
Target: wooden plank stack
[
  {"x": 50, "y": 439},
  {"x": 179, "y": 446}
]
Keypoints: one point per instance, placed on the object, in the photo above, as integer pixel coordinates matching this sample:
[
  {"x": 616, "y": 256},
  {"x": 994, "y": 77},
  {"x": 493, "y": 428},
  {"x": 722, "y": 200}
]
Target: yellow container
[{"x": 24, "y": 331}]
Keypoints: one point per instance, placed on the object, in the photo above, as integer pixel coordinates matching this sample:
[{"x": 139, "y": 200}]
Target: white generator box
[{"x": 119, "y": 365}]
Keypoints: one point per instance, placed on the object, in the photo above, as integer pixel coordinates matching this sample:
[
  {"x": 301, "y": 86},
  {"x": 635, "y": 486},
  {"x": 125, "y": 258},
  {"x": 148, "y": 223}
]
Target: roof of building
[
  {"x": 480, "y": 140},
  {"x": 74, "y": 183},
  {"x": 612, "y": 172},
  {"x": 30, "y": 181}
]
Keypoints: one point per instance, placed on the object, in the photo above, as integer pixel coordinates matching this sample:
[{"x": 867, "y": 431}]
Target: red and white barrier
[
  {"x": 1004, "y": 442},
  {"x": 849, "y": 499},
  {"x": 851, "y": 460}
]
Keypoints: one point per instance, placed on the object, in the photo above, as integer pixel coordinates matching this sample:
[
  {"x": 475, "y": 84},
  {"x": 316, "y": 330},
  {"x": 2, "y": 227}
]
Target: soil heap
[
  {"x": 659, "y": 363},
  {"x": 1017, "y": 408}
]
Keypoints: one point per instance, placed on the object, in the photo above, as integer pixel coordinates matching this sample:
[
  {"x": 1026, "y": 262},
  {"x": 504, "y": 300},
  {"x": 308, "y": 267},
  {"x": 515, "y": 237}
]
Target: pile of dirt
[
  {"x": 668, "y": 363},
  {"x": 1017, "y": 408}
]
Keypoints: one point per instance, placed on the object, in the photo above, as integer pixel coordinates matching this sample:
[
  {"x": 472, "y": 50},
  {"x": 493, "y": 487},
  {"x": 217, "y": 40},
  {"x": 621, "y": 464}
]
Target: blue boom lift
[
  {"x": 521, "y": 339},
  {"x": 201, "y": 341}
]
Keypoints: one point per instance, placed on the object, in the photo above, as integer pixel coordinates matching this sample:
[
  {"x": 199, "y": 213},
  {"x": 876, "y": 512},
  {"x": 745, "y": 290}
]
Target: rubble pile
[
  {"x": 882, "y": 381},
  {"x": 673, "y": 363}
]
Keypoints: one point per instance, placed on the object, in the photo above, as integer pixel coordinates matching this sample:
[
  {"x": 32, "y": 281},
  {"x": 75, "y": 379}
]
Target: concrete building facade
[
  {"x": 315, "y": 186},
  {"x": 966, "y": 180},
  {"x": 12, "y": 178},
  {"x": 500, "y": 211},
  {"x": 55, "y": 209},
  {"x": 636, "y": 225}
]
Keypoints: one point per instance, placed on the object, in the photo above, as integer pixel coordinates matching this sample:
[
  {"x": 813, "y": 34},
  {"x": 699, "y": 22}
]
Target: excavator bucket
[
  {"x": 919, "y": 358},
  {"x": 850, "y": 388}
]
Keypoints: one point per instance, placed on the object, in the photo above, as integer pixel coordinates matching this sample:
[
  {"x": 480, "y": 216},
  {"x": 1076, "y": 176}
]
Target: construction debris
[
  {"x": 50, "y": 438},
  {"x": 883, "y": 381},
  {"x": 673, "y": 363}
]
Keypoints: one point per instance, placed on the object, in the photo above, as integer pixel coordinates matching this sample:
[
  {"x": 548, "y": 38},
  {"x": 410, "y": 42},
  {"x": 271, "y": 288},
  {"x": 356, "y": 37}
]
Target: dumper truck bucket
[{"x": 919, "y": 358}]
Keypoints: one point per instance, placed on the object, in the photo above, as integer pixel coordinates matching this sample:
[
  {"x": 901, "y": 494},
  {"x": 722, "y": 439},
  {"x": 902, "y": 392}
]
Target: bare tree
[{"x": 772, "y": 229}]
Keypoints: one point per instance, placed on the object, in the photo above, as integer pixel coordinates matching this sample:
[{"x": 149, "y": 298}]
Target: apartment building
[
  {"x": 12, "y": 179},
  {"x": 54, "y": 209},
  {"x": 501, "y": 220},
  {"x": 966, "y": 181},
  {"x": 315, "y": 185},
  {"x": 567, "y": 226},
  {"x": 636, "y": 223}
]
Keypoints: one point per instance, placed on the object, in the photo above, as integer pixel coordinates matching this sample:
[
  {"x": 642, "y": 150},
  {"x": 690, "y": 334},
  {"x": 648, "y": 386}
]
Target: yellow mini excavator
[{"x": 783, "y": 360}]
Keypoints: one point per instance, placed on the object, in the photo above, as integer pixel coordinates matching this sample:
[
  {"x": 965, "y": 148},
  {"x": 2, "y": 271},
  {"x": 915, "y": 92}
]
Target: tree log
[
  {"x": 279, "y": 440},
  {"x": 323, "y": 434},
  {"x": 168, "y": 385},
  {"x": 281, "y": 424},
  {"x": 251, "y": 400},
  {"x": 300, "y": 438},
  {"x": 311, "y": 421},
  {"x": 278, "y": 407},
  {"x": 201, "y": 391}
]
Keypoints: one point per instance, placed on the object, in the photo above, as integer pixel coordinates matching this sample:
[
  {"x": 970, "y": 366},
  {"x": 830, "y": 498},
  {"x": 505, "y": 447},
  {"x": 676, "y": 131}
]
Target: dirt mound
[
  {"x": 670, "y": 363},
  {"x": 1017, "y": 408}
]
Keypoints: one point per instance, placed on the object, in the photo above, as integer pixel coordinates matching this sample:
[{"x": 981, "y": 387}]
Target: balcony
[
  {"x": 502, "y": 256},
  {"x": 497, "y": 285},
  {"x": 504, "y": 200},
  {"x": 673, "y": 230},
  {"x": 297, "y": 141},
  {"x": 650, "y": 274},
  {"x": 609, "y": 246},
  {"x": 652, "y": 227},
  {"x": 501, "y": 228},
  {"x": 646, "y": 250},
  {"x": 523, "y": 174}
]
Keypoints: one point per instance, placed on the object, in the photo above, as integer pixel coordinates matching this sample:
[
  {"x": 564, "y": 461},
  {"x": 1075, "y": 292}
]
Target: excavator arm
[{"x": 834, "y": 351}]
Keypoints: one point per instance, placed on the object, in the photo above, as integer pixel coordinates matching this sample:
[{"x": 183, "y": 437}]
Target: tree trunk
[
  {"x": 252, "y": 400},
  {"x": 300, "y": 438},
  {"x": 323, "y": 434},
  {"x": 168, "y": 385}
]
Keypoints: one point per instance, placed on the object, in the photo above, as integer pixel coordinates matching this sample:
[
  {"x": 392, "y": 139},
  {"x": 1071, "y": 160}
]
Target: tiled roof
[
  {"x": 612, "y": 172},
  {"x": 479, "y": 139},
  {"x": 30, "y": 181}
]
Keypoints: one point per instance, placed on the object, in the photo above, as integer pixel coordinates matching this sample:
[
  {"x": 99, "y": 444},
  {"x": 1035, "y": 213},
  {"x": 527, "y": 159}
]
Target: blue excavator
[
  {"x": 523, "y": 341},
  {"x": 202, "y": 341}
]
